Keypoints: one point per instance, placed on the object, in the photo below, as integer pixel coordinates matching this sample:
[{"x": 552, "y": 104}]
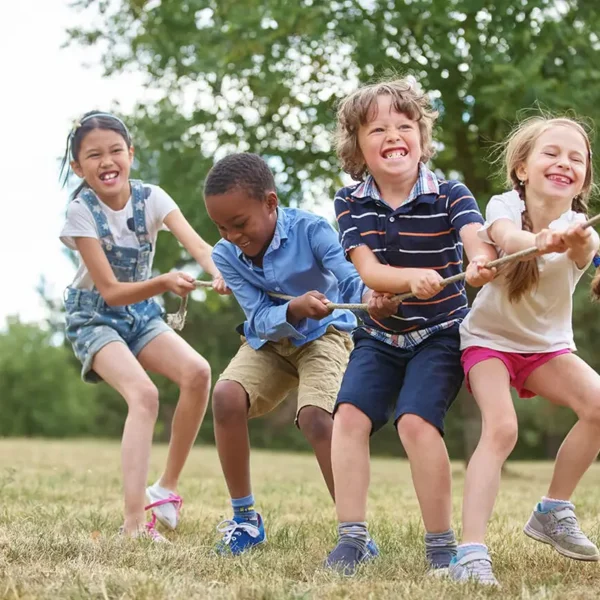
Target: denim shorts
[
  {"x": 382, "y": 380},
  {"x": 91, "y": 324}
]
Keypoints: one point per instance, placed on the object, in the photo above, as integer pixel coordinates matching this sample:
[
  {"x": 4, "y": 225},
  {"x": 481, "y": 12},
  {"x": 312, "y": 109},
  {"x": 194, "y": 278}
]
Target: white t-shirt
[
  {"x": 80, "y": 223},
  {"x": 541, "y": 321}
]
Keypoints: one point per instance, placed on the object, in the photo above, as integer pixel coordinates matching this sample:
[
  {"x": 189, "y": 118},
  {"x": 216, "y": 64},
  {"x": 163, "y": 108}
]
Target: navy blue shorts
[{"x": 383, "y": 379}]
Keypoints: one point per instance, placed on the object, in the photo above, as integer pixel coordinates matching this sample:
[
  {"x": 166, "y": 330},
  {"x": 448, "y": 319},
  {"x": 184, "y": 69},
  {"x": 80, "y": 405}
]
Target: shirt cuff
[{"x": 280, "y": 327}]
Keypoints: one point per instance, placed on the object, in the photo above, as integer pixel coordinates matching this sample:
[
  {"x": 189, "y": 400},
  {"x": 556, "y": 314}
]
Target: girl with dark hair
[{"x": 113, "y": 322}]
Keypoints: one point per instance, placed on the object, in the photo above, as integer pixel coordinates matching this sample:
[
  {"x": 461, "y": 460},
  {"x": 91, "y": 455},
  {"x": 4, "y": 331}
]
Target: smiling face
[
  {"x": 390, "y": 143},
  {"x": 245, "y": 221},
  {"x": 104, "y": 161},
  {"x": 557, "y": 166}
]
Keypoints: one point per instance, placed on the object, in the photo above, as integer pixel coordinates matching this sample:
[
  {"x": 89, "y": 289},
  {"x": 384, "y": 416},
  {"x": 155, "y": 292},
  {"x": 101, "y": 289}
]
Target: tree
[{"x": 264, "y": 75}]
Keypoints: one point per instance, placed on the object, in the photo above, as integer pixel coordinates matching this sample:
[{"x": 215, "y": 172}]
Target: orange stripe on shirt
[
  {"x": 372, "y": 232},
  {"x": 346, "y": 212},
  {"x": 426, "y": 234},
  {"x": 461, "y": 198},
  {"x": 433, "y": 301},
  {"x": 448, "y": 264}
]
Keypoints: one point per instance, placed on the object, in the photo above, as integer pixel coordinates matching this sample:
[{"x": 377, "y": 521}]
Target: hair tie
[{"x": 597, "y": 261}]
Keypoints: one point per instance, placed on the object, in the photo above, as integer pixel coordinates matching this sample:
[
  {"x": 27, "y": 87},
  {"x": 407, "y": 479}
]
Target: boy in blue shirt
[
  {"x": 404, "y": 229},
  {"x": 286, "y": 344}
]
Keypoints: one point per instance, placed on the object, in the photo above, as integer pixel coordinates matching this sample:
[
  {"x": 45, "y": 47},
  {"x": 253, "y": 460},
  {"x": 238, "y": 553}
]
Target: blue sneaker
[
  {"x": 347, "y": 555},
  {"x": 240, "y": 535}
]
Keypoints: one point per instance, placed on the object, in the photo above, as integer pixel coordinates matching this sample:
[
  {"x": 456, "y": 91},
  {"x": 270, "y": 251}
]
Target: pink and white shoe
[
  {"x": 149, "y": 531},
  {"x": 164, "y": 504}
]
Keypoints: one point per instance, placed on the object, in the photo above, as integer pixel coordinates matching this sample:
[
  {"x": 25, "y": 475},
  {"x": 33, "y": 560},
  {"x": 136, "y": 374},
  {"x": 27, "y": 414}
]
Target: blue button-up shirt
[{"x": 303, "y": 255}]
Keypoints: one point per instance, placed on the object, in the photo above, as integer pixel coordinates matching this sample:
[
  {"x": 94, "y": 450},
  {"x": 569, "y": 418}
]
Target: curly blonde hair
[
  {"x": 360, "y": 107},
  {"x": 524, "y": 276}
]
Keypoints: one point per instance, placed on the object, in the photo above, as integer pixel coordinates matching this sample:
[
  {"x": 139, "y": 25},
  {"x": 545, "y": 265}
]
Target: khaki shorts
[{"x": 269, "y": 374}]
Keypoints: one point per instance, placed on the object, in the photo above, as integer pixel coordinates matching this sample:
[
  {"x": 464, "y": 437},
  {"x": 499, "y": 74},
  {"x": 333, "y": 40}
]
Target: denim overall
[{"x": 91, "y": 324}]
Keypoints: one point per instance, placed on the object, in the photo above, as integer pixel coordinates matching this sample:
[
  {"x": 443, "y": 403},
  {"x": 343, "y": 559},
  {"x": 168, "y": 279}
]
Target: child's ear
[
  {"x": 131, "y": 153},
  {"x": 521, "y": 172},
  {"x": 75, "y": 167},
  {"x": 272, "y": 201}
]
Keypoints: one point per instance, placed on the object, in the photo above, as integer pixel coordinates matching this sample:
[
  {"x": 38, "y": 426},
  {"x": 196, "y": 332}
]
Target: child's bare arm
[
  {"x": 117, "y": 293},
  {"x": 424, "y": 283}
]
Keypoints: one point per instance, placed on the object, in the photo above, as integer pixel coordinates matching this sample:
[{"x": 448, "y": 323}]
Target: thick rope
[{"x": 177, "y": 320}]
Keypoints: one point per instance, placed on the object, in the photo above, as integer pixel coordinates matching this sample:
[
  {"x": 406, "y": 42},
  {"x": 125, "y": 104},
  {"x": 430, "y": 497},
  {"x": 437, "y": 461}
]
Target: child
[
  {"x": 519, "y": 333},
  {"x": 111, "y": 319},
  {"x": 404, "y": 229},
  {"x": 286, "y": 344}
]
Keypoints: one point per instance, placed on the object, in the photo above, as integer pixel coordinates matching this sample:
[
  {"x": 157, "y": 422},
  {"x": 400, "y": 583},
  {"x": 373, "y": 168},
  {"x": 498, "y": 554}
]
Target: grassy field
[{"x": 60, "y": 509}]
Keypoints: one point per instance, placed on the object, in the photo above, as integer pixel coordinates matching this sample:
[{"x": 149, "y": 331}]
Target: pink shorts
[{"x": 519, "y": 366}]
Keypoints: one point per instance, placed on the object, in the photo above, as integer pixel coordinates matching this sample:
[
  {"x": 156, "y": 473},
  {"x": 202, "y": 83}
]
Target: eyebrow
[{"x": 557, "y": 147}]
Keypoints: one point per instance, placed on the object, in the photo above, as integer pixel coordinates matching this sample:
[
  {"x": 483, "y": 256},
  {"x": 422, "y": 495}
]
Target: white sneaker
[{"x": 165, "y": 505}]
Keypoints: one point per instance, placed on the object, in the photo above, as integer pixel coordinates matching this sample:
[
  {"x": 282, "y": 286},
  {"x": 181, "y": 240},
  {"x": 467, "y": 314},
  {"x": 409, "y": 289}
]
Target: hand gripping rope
[{"x": 177, "y": 320}]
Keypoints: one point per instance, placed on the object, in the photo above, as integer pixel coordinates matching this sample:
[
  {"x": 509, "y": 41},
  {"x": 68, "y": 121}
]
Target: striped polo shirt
[{"x": 422, "y": 233}]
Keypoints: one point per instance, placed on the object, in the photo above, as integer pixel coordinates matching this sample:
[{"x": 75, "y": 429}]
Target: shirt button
[
  {"x": 392, "y": 219},
  {"x": 278, "y": 289}
]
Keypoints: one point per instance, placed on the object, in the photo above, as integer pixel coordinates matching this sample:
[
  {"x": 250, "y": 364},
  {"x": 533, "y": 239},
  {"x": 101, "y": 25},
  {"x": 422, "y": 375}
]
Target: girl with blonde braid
[{"x": 519, "y": 333}]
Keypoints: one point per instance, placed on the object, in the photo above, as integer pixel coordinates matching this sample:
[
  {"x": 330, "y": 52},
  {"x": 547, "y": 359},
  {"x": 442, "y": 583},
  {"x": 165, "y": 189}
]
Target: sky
[{"x": 45, "y": 88}]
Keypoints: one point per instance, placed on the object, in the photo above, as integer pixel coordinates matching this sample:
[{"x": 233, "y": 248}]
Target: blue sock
[
  {"x": 243, "y": 508},
  {"x": 548, "y": 504},
  {"x": 464, "y": 549}
]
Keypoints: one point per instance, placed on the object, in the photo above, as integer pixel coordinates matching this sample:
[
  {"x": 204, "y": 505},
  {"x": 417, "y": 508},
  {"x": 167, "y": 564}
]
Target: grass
[{"x": 60, "y": 508}]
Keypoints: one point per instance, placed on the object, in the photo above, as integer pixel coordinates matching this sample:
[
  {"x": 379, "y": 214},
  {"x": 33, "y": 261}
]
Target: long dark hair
[{"x": 95, "y": 119}]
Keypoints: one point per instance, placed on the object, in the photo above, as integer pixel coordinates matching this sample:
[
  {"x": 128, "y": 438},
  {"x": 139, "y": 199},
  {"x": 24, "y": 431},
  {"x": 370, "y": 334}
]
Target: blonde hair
[
  {"x": 360, "y": 107},
  {"x": 524, "y": 276}
]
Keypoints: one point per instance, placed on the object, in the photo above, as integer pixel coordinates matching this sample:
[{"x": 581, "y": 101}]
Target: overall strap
[
  {"x": 104, "y": 232},
  {"x": 138, "y": 199}
]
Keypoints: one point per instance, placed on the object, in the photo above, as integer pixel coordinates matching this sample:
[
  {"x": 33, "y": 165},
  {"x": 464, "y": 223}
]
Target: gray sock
[
  {"x": 439, "y": 544},
  {"x": 355, "y": 533}
]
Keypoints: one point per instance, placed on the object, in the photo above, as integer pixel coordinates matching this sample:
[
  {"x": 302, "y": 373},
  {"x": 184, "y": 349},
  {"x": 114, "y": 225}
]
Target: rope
[{"x": 177, "y": 320}]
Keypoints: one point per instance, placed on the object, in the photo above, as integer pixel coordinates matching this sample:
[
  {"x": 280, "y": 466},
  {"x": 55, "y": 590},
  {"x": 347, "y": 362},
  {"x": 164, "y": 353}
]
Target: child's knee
[
  {"x": 196, "y": 375},
  {"x": 352, "y": 420},
  {"x": 142, "y": 400},
  {"x": 229, "y": 401},
  {"x": 414, "y": 430},
  {"x": 591, "y": 413},
  {"x": 502, "y": 435},
  {"x": 316, "y": 424}
]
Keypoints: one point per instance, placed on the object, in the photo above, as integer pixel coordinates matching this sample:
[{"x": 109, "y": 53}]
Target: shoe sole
[
  {"x": 542, "y": 537},
  {"x": 158, "y": 516}
]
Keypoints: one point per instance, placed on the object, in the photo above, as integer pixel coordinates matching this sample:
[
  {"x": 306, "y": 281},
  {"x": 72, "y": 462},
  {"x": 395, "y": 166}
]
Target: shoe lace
[
  {"x": 567, "y": 523},
  {"x": 153, "y": 533},
  {"x": 482, "y": 570},
  {"x": 170, "y": 499},
  {"x": 230, "y": 529}
]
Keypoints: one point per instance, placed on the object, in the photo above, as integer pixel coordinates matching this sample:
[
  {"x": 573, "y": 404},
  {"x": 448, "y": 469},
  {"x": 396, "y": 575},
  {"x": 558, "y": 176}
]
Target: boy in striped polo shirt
[{"x": 404, "y": 230}]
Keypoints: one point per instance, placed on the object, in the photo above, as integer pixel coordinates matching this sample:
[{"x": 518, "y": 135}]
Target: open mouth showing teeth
[
  {"x": 560, "y": 179},
  {"x": 109, "y": 176},
  {"x": 396, "y": 153}
]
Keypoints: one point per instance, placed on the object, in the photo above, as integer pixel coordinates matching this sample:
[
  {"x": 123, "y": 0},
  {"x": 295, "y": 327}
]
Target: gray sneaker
[
  {"x": 475, "y": 567},
  {"x": 559, "y": 528}
]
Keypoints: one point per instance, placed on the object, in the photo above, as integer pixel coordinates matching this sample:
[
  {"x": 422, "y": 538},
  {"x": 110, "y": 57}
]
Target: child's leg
[
  {"x": 317, "y": 425},
  {"x": 567, "y": 380},
  {"x": 490, "y": 383},
  {"x": 321, "y": 365},
  {"x": 230, "y": 415},
  {"x": 254, "y": 382},
  {"x": 432, "y": 380},
  {"x": 120, "y": 369},
  {"x": 173, "y": 357},
  {"x": 350, "y": 460}
]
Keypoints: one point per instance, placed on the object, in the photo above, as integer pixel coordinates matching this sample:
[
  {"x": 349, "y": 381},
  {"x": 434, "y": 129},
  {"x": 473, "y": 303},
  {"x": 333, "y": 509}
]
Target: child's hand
[
  {"x": 426, "y": 283},
  {"x": 312, "y": 305},
  {"x": 577, "y": 238},
  {"x": 380, "y": 305},
  {"x": 476, "y": 273},
  {"x": 548, "y": 241},
  {"x": 219, "y": 285},
  {"x": 179, "y": 283}
]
